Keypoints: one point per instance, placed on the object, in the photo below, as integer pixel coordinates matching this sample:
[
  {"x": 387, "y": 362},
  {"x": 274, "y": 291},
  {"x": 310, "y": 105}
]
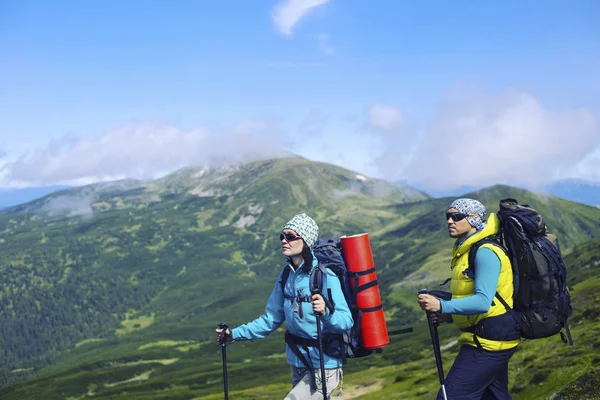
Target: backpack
[
  {"x": 541, "y": 299},
  {"x": 328, "y": 253}
]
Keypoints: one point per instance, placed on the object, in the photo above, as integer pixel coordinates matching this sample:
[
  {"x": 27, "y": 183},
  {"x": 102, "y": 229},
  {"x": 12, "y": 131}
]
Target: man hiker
[
  {"x": 294, "y": 304},
  {"x": 489, "y": 334}
]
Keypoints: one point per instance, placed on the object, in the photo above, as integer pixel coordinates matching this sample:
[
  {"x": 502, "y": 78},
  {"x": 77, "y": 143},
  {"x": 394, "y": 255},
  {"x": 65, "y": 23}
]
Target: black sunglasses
[
  {"x": 458, "y": 216},
  {"x": 289, "y": 237}
]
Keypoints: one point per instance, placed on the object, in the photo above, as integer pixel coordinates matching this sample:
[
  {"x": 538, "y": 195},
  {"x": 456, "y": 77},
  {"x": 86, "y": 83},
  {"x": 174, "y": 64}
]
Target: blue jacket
[{"x": 279, "y": 310}]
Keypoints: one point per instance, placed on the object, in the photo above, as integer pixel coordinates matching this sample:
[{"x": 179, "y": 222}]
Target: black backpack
[
  {"x": 329, "y": 255},
  {"x": 541, "y": 300}
]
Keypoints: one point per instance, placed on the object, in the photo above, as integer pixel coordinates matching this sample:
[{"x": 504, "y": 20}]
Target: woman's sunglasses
[
  {"x": 458, "y": 216},
  {"x": 289, "y": 237}
]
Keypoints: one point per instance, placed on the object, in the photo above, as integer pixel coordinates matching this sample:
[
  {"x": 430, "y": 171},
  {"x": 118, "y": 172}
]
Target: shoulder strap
[
  {"x": 316, "y": 279},
  {"x": 316, "y": 286},
  {"x": 476, "y": 246},
  {"x": 284, "y": 277},
  {"x": 473, "y": 252}
]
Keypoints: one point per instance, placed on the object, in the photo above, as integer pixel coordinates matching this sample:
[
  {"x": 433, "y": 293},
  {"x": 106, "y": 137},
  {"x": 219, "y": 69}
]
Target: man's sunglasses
[
  {"x": 458, "y": 216},
  {"x": 289, "y": 237}
]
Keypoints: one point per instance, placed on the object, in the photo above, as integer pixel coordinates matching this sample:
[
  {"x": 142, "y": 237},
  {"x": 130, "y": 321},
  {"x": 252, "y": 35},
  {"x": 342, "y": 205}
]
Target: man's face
[{"x": 458, "y": 226}]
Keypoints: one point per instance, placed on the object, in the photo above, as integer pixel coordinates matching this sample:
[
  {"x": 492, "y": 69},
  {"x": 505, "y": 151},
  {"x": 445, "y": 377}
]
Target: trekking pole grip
[
  {"x": 223, "y": 342},
  {"x": 428, "y": 313},
  {"x": 435, "y": 341},
  {"x": 223, "y": 334}
]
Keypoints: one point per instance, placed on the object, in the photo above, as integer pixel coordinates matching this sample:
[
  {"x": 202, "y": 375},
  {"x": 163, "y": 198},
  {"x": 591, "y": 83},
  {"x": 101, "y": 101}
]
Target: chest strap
[{"x": 298, "y": 299}]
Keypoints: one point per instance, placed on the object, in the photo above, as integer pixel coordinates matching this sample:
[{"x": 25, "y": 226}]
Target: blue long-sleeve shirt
[
  {"x": 279, "y": 310},
  {"x": 487, "y": 273}
]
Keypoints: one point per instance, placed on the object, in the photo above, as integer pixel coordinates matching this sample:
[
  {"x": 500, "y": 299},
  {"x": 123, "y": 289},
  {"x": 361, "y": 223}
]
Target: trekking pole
[
  {"x": 435, "y": 341},
  {"x": 322, "y": 361},
  {"x": 223, "y": 342}
]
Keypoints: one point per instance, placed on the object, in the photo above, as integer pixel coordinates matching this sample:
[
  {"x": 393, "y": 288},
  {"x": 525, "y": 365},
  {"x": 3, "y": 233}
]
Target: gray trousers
[{"x": 302, "y": 383}]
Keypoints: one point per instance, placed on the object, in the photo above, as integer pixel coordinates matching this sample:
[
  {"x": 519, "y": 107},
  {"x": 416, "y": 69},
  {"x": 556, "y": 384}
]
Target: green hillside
[
  {"x": 79, "y": 263},
  {"x": 114, "y": 291},
  {"x": 419, "y": 247}
]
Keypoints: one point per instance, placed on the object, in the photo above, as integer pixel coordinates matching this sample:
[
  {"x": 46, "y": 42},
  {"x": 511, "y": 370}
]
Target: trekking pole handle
[
  {"x": 223, "y": 333},
  {"x": 436, "y": 345},
  {"x": 223, "y": 342},
  {"x": 428, "y": 313}
]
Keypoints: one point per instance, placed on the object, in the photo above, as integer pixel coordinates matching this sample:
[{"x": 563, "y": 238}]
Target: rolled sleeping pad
[{"x": 362, "y": 278}]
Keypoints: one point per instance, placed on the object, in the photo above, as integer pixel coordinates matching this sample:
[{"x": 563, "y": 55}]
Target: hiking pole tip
[{"x": 444, "y": 392}]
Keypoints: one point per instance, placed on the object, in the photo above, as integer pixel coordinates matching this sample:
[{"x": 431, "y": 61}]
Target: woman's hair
[{"x": 307, "y": 256}]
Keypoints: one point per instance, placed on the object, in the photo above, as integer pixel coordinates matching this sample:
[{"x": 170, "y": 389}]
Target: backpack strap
[
  {"x": 504, "y": 303},
  {"x": 473, "y": 253},
  {"x": 284, "y": 277},
  {"x": 316, "y": 286},
  {"x": 471, "y": 267},
  {"x": 477, "y": 245},
  {"x": 356, "y": 276},
  {"x": 293, "y": 342},
  {"x": 569, "y": 338}
]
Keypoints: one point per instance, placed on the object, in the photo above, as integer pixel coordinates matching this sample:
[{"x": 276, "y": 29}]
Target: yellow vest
[{"x": 463, "y": 286}]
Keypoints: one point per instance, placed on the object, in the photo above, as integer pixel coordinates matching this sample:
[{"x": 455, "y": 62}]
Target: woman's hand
[
  {"x": 318, "y": 304},
  {"x": 227, "y": 335}
]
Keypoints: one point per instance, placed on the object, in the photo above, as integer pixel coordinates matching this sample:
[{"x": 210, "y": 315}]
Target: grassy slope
[
  {"x": 538, "y": 370},
  {"x": 199, "y": 268},
  {"x": 161, "y": 255}
]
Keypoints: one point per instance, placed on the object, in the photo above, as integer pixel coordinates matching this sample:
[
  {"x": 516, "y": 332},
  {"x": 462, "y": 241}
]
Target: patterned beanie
[
  {"x": 470, "y": 206},
  {"x": 304, "y": 226}
]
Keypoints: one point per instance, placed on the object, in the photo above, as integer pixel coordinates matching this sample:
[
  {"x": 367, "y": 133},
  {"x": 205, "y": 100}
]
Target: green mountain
[
  {"x": 79, "y": 262},
  {"x": 113, "y": 291}
]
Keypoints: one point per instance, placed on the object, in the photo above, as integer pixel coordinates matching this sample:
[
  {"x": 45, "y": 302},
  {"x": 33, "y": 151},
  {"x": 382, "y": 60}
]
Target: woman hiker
[{"x": 293, "y": 303}]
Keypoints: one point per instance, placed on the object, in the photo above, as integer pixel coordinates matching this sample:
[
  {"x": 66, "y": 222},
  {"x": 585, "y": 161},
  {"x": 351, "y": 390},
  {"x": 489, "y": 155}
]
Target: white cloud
[
  {"x": 141, "y": 151},
  {"x": 508, "y": 138},
  {"x": 587, "y": 169},
  {"x": 67, "y": 203},
  {"x": 475, "y": 140},
  {"x": 336, "y": 143},
  {"x": 385, "y": 118},
  {"x": 394, "y": 140},
  {"x": 351, "y": 151},
  {"x": 288, "y": 13},
  {"x": 323, "y": 42}
]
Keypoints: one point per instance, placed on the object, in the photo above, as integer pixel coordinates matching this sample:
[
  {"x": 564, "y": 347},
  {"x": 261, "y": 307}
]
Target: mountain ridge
[{"x": 144, "y": 278}]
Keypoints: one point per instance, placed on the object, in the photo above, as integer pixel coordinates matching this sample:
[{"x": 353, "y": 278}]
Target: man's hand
[
  {"x": 318, "y": 304},
  {"x": 429, "y": 303},
  {"x": 437, "y": 318}
]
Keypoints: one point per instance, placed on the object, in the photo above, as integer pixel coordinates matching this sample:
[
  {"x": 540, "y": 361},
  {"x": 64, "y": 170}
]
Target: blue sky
[{"x": 100, "y": 90}]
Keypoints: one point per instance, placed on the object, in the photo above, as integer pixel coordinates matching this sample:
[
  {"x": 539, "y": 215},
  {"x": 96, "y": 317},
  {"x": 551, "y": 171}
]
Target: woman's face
[{"x": 291, "y": 243}]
